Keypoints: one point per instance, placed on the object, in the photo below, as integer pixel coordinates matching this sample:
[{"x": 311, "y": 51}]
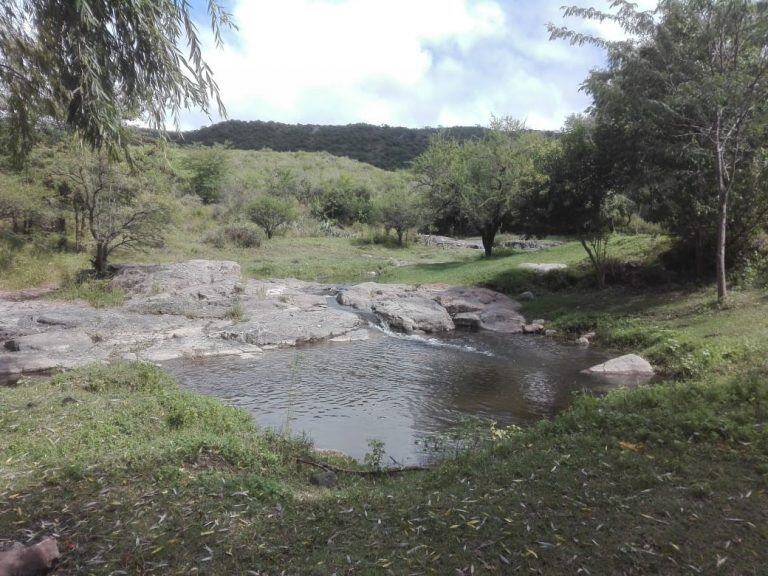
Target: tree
[
  {"x": 21, "y": 202},
  {"x": 207, "y": 166},
  {"x": 398, "y": 207},
  {"x": 481, "y": 180},
  {"x": 344, "y": 200},
  {"x": 694, "y": 75},
  {"x": 94, "y": 63},
  {"x": 122, "y": 205},
  {"x": 272, "y": 212},
  {"x": 579, "y": 197}
]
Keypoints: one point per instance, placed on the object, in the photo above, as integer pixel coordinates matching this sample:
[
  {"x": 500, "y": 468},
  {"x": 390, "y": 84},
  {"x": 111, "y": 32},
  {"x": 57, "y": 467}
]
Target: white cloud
[{"x": 399, "y": 62}]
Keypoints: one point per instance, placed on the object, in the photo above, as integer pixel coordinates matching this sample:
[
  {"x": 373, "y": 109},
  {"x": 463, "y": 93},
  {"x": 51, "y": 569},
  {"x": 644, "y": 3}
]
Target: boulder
[
  {"x": 550, "y": 333},
  {"x": 467, "y": 320},
  {"x": 196, "y": 289},
  {"x": 629, "y": 364},
  {"x": 414, "y": 313},
  {"x": 527, "y": 295},
  {"x": 34, "y": 560},
  {"x": 460, "y": 299},
  {"x": 501, "y": 318},
  {"x": 533, "y": 328}
]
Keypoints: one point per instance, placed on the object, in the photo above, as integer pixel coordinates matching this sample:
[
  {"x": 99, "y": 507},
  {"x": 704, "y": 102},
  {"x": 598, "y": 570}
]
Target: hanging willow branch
[{"x": 93, "y": 64}]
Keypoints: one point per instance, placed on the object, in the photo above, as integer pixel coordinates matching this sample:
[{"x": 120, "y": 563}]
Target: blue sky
[{"x": 400, "y": 62}]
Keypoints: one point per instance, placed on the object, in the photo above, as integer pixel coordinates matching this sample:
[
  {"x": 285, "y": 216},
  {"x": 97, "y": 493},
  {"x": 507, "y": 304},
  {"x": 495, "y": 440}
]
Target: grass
[{"x": 134, "y": 475}]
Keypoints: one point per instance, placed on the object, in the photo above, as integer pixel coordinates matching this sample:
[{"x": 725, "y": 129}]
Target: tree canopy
[{"x": 689, "y": 89}]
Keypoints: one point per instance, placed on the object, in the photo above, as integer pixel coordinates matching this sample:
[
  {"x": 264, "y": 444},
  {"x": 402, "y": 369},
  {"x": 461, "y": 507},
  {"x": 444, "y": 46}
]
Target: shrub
[
  {"x": 241, "y": 235},
  {"x": 273, "y": 213}
]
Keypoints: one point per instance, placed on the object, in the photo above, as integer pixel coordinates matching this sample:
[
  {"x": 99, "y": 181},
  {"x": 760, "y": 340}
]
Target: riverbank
[{"x": 134, "y": 475}]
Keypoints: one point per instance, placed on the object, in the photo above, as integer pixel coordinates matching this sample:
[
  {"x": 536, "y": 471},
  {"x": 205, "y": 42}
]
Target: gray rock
[
  {"x": 550, "y": 333},
  {"x": 533, "y": 328},
  {"x": 324, "y": 479},
  {"x": 527, "y": 295},
  {"x": 414, "y": 313},
  {"x": 542, "y": 268},
  {"x": 629, "y": 364},
  {"x": 459, "y": 299},
  {"x": 501, "y": 318},
  {"x": 467, "y": 320},
  {"x": 583, "y": 341},
  {"x": 49, "y": 334}
]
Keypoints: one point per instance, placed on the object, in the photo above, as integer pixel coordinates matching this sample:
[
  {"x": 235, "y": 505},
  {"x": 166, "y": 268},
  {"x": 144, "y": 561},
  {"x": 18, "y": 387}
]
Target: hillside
[{"x": 387, "y": 147}]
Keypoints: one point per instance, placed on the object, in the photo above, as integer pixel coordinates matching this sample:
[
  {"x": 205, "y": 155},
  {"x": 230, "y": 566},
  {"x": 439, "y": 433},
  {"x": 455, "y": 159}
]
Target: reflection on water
[{"x": 397, "y": 389}]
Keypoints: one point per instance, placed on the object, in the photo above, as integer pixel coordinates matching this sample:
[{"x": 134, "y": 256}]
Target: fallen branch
[
  {"x": 29, "y": 560},
  {"x": 381, "y": 472}
]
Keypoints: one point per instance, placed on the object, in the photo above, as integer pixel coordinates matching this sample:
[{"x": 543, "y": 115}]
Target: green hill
[{"x": 387, "y": 147}]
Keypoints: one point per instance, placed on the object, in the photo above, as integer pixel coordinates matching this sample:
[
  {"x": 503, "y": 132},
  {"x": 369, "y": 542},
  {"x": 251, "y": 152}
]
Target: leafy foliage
[
  {"x": 689, "y": 92},
  {"x": 399, "y": 207},
  {"x": 92, "y": 63},
  {"x": 480, "y": 181},
  {"x": 206, "y": 166},
  {"x": 272, "y": 212}
]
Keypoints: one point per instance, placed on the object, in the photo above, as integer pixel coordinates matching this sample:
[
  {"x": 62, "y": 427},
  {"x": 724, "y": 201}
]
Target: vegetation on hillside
[{"x": 387, "y": 147}]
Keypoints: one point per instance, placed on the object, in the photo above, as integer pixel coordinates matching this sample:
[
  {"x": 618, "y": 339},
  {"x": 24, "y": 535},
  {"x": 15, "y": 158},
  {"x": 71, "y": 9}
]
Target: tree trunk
[
  {"x": 598, "y": 262},
  {"x": 722, "y": 226},
  {"x": 399, "y": 237},
  {"x": 488, "y": 238},
  {"x": 100, "y": 259}
]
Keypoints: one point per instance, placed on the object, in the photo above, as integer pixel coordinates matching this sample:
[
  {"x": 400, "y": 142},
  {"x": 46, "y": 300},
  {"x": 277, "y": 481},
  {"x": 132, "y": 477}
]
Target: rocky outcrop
[
  {"x": 477, "y": 244},
  {"x": 435, "y": 308},
  {"x": 204, "y": 308},
  {"x": 629, "y": 365},
  {"x": 192, "y": 309}
]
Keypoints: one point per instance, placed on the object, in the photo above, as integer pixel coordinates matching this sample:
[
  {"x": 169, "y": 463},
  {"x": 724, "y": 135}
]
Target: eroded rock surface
[
  {"x": 435, "y": 308},
  {"x": 192, "y": 309},
  {"x": 204, "y": 308}
]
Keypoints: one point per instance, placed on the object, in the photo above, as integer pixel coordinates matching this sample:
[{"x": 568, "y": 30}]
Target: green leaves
[{"x": 93, "y": 64}]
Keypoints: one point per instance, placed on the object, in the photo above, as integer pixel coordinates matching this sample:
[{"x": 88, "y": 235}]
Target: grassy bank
[{"x": 134, "y": 475}]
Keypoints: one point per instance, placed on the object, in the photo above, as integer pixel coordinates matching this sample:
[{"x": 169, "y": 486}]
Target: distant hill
[{"x": 387, "y": 147}]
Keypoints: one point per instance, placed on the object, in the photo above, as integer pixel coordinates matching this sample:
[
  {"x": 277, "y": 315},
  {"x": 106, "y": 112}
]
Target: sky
[{"x": 408, "y": 63}]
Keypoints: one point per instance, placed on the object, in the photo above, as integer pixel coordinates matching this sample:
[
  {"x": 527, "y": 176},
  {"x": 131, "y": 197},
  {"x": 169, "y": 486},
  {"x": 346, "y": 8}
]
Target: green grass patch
[{"x": 127, "y": 469}]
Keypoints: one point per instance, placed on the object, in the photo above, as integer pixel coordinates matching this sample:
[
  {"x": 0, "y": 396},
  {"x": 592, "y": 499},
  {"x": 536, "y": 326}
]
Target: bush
[
  {"x": 273, "y": 213},
  {"x": 240, "y": 235},
  {"x": 343, "y": 201}
]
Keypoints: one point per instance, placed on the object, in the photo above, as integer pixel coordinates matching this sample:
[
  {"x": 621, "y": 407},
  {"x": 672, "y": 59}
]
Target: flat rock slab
[
  {"x": 542, "y": 268},
  {"x": 629, "y": 364},
  {"x": 188, "y": 310}
]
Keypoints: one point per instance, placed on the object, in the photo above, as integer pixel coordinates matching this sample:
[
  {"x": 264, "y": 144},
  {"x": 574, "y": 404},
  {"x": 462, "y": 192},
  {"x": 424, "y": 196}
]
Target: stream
[{"x": 398, "y": 389}]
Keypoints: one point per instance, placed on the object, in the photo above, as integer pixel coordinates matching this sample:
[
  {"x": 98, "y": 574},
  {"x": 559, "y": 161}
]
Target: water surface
[{"x": 397, "y": 389}]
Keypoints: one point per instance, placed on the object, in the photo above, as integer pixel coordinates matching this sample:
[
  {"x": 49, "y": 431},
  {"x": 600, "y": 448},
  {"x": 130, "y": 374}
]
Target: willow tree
[
  {"x": 692, "y": 75},
  {"x": 93, "y": 64}
]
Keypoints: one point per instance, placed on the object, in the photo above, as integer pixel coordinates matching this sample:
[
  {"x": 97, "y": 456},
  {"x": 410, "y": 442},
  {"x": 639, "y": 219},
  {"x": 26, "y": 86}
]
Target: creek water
[{"x": 398, "y": 389}]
